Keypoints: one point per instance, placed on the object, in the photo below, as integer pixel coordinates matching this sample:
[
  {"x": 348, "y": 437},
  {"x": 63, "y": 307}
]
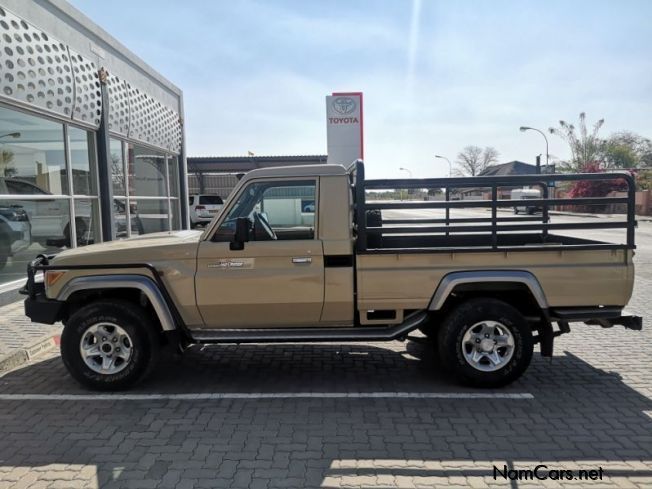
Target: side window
[{"x": 287, "y": 206}]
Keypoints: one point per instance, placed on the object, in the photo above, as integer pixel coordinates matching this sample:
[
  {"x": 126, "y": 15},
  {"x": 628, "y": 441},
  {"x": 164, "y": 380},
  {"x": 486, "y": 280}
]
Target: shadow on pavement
[{"x": 580, "y": 416}]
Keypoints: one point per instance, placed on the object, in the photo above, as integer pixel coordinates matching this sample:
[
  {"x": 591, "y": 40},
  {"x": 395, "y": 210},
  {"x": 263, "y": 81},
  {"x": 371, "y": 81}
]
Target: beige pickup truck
[{"x": 302, "y": 254}]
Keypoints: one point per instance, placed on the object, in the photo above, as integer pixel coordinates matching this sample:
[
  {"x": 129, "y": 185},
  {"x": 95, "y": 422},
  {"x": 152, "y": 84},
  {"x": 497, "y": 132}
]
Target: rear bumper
[{"x": 606, "y": 317}]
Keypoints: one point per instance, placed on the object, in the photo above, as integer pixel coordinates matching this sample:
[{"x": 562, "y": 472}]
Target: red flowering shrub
[{"x": 595, "y": 188}]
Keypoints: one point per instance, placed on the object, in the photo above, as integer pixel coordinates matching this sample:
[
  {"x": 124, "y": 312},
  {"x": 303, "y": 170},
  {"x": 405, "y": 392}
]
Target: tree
[
  {"x": 118, "y": 174},
  {"x": 6, "y": 163},
  {"x": 626, "y": 149},
  {"x": 473, "y": 160},
  {"x": 586, "y": 147}
]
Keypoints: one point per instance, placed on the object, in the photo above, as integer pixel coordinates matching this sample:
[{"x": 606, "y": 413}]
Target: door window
[{"x": 288, "y": 207}]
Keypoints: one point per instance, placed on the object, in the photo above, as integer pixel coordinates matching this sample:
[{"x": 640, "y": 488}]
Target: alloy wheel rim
[
  {"x": 488, "y": 346},
  {"x": 106, "y": 348}
]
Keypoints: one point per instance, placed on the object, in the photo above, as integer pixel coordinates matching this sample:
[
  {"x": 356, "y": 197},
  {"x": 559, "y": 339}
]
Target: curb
[
  {"x": 598, "y": 216},
  {"x": 24, "y": 355}
]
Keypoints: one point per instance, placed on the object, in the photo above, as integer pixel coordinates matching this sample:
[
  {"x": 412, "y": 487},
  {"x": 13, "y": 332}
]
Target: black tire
[
  {"x": 131, "y": 318},
  {"x": 468, "y": 314},
  {"x": 81, "y": 227}
]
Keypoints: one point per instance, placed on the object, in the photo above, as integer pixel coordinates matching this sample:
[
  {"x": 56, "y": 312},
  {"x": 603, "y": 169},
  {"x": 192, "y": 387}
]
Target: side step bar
[{"x": 288, "y": 335}]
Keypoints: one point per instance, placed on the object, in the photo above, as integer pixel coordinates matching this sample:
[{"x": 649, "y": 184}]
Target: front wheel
[
  {"x": 486, "y": 343},
  {"x": 109, "y": 345}
]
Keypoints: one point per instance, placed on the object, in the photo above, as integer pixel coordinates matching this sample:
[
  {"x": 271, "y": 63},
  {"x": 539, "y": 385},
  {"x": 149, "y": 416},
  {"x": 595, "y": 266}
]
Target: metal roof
[
  {"x": 240, "y": 164},
  {"x": 296, "y": 171},
  {"x": 511, "y": 168}
]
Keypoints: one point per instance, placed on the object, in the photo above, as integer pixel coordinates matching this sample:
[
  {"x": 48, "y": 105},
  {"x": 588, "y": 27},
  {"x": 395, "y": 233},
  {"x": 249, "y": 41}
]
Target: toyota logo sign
[{"x": 344, "y": 105}]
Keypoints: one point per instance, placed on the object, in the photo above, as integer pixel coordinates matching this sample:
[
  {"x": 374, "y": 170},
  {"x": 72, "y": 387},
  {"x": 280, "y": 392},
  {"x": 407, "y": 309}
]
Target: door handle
[{"x": 302, "y": 259}]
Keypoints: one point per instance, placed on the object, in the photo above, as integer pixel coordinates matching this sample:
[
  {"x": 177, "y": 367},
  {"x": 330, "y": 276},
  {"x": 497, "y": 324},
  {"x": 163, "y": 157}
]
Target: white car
[
  {"x": 50, "y": 218},
  {"x": 203, "y": 207},
  {"x": 526, "y": 194},
  {"x": 15, "y": 231}
]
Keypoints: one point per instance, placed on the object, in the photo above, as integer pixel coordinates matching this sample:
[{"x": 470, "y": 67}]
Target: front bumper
[{"x": 38, "y": 307}]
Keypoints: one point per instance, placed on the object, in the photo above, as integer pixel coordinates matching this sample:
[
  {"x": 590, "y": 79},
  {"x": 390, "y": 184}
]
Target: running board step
[{"x": 284, "y": 335}]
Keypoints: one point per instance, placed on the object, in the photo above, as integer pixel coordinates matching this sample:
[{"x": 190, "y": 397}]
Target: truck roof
[{"x": 297, "y": 171}]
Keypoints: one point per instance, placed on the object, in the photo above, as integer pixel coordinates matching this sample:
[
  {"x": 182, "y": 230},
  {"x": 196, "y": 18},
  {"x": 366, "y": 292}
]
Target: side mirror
[{"x": 241, "y": 236}]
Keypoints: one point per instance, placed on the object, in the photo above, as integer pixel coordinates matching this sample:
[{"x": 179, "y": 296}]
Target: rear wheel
[
  {"x": 486, "y": 343},
  {"x": 109, "y": 345}
]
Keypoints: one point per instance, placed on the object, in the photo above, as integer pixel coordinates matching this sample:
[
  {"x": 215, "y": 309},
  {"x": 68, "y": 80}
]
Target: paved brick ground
[
  {"x": 592, "y": 407},
  {"x": 16, "y": 330}
]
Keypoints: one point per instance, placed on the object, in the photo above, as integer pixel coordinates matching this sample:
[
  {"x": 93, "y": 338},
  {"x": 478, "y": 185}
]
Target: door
[{"x": 277, "y": 280}]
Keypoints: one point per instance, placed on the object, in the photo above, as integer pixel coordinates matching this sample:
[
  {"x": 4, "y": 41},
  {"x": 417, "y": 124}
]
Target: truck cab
[{"x": 295, "y": 267}]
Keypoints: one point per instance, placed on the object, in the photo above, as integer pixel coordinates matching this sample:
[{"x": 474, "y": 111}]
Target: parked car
[
  {"x": 15, "y": 232},
  {"x": 204, "y": 207},
  {"x": 485, "y": 298},
  {"x": 50, "y": 218},
  {"x": 526, "y": 194}
]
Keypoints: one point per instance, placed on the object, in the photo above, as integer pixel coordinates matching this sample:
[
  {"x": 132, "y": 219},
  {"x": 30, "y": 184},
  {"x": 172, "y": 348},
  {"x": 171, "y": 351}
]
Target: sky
[{"x": 436, "y": 75}]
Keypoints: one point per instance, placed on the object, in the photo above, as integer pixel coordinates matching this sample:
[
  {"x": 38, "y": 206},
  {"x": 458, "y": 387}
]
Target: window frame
[
  {"x": 232, "y": 201},
  {"x": 128, "y": 197},
  {"x": 71, "y": 197}
]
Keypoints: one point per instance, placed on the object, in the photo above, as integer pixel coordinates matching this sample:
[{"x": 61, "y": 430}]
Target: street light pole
[
  {"x": 11, "y": 135},
  {"x": 409, "y": 173},
  {"x": 450, "y": 167},
  {"x": 527, "y": 128}
]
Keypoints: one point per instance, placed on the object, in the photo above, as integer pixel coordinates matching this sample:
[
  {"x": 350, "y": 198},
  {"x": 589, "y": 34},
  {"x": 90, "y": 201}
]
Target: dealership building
[{"x": 91, "y": 137}]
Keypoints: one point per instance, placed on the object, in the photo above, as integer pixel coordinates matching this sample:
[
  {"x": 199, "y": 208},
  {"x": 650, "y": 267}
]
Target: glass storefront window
[
  {"x": 116, "y": 160},
  {"x": 29, "y": 227},
  {"x": 82, "y": 157},
  {"x": 36, "y": 168},
  {"x": 32, "y": 151},
  {"x": 146, "y": 172},
  {"x": 87, "y": 221},
  {"x": 149, "y": 216}
]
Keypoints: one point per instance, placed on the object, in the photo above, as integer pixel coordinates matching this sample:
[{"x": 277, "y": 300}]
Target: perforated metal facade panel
[
  {"x": 39, "y": 71},
  {"x": 153, "y": 123},
  {"x": 118, "y": 105},
  {"x": 35, "y": 68},
  {"x": 88, "y": 98}
]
